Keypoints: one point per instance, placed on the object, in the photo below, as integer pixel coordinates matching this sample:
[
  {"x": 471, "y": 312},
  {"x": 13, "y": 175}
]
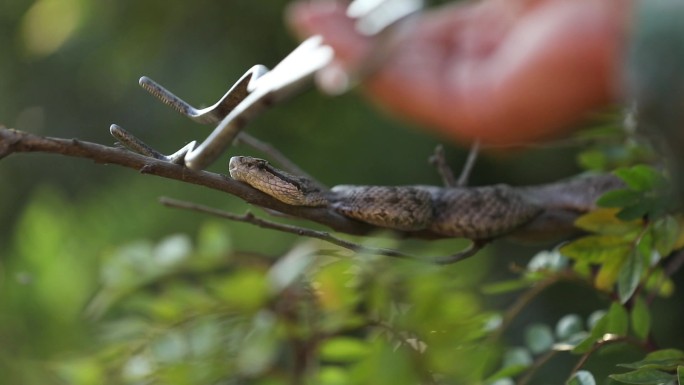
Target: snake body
[{"x": 477, "y": 213}]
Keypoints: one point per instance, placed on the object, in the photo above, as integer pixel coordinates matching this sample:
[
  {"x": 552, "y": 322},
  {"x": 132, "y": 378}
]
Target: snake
[{"x": 476, "y": 213}]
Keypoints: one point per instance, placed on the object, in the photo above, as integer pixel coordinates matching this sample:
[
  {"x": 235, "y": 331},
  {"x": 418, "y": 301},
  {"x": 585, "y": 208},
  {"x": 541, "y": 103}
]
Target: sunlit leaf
[
  {"x": 659, "y": 282},
  {"x": 595, "y": 317},
  {"x": 344, "y": 349},
  {"x": 593, "y": 160},
  {"x": 596, "y": 248},
  {"x": 48, "y": 24},
  {"x": 517, "y": 356},
  {"x": 610, "y": 270},
  {"x": 582, "y": 377},
  {"x": 382, "y": 356},
  {"x": 170, "y": 347},
  {"x": 332, "y": 375},
  {"x": 604, "y": 221},
  {"x": 246, "y": 289},
  {"x": 641, "y": 318},
  {"x": 547, "y": 261},
  {"x": 172, "y": 250},
  {"x": 258, "y": 350},
  {"x": 568, "y": 325},
  {"x": 291, "y": 266}
]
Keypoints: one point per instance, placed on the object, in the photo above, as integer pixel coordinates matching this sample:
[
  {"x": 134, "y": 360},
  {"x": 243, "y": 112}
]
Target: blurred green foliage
[{"x": 99, "y": 284}]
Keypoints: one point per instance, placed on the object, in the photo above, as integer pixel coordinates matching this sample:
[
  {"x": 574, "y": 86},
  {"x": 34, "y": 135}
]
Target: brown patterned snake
[{"x": 477, "y": 213}]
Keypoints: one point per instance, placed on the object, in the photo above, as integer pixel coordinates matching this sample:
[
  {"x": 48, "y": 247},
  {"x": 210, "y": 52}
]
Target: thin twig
[
  {"x": 538, "y": 363},
  {"x": 585, "y": 357},
  {"x": 439, "y": 161},
  {"x": 250, "y": 218},
  {"x": 322, "y": 235},
  {"x": 527, "y": 297},
  {"x": 469, "y": 164}
]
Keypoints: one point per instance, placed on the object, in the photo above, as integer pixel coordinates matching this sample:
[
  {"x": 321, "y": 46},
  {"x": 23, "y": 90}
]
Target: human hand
[{"x": 502, "y": 71}]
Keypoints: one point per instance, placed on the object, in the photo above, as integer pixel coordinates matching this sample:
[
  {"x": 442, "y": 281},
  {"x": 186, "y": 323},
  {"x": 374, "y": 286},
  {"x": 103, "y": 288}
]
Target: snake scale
[{"x": 478, "y": 213}]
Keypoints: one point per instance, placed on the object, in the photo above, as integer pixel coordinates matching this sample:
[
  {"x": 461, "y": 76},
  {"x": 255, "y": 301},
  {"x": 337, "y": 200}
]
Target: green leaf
[
  {"x": 598, "y": 323},
  {"x": 619, "y": 198},
  {"x": 667, "y": 364},
  {"x": 641, "y": 319},
  {"x": 640, "y": 209},
  {"x": 666, "y": 354},
  {"x": 630, "y": 275},
  {"x": 641, "y": 177},
  {"x": 596, "y": 248},
  {"x": 344, "y": 349},
  {"x": 582, "y": 377},
  {"x": 618, "y": 320},
  {"x": 680, "y": 375},
  {"x": 539, "y": 338},
  {"x": 593, "y": 160},
  {"x": 665, "y": 232},
  {"x": 644, "y": 377}
]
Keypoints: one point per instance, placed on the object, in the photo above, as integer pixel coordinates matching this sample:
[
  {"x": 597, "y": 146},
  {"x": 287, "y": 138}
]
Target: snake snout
[{"x": 233, "y": 165}]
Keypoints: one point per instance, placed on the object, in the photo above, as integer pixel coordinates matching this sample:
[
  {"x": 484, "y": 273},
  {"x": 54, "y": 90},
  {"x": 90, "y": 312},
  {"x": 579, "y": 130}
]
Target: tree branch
[{"x": 13, "y": 141}]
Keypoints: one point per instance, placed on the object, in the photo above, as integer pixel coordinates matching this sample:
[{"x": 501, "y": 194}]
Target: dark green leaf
[
  {"x": 666, "y": 354},
  {"x": 644, "y": 377},
  {"x": 637, "y": 210},
  {"x": 641, "y": 177},
  {"x": 666, "y": 364},
  {"x": 641, "y": 318},
  {"x": 665, "y": 231},
  {"x": 619, "y": 198},
  {"x": 618, "y": 321},
  {"x": 630, "y": 275},
  {"x": 680, "y": 375},
  {"x": 582, "y": 377}
]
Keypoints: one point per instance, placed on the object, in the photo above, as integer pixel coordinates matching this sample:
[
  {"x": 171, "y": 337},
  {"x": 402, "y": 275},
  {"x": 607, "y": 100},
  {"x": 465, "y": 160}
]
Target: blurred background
[{"x": 69, "y": 68}]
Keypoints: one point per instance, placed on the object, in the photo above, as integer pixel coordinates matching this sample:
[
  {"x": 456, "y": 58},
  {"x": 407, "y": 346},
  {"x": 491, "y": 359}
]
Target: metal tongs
[{"x": 260, "y": 88}]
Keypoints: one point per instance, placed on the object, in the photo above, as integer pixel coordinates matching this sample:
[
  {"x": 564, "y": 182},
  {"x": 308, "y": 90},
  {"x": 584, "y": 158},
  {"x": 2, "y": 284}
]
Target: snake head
[{"x": 287, "y": 188}]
